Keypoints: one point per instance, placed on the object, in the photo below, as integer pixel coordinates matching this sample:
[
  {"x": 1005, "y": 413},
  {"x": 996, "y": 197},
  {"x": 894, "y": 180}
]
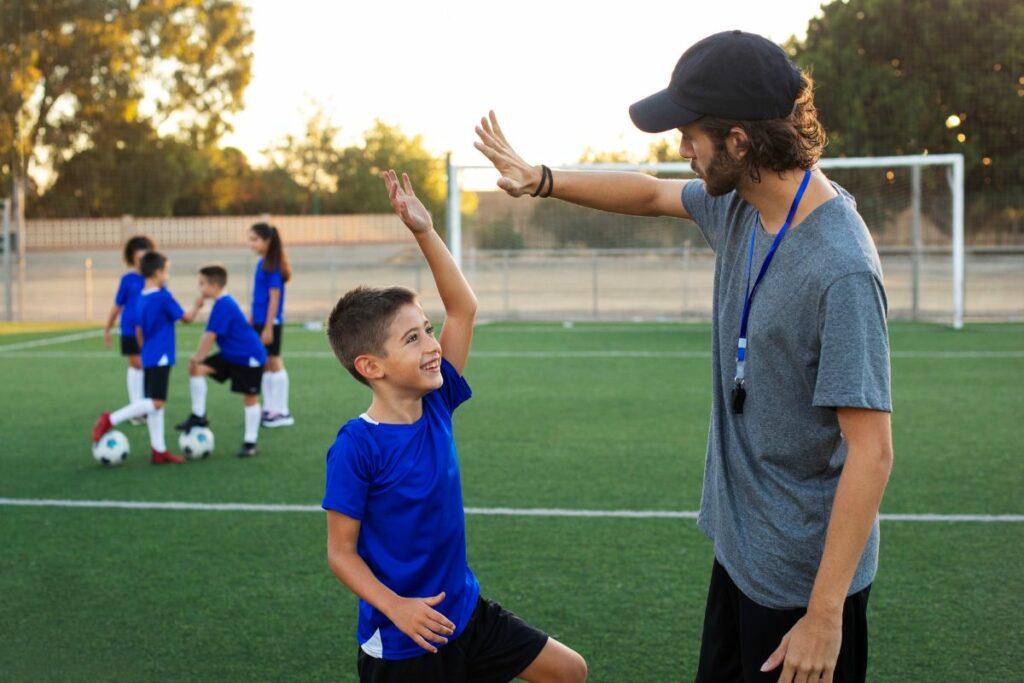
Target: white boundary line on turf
[
  {"x": 50, "y": 341},
  {"x": 499, "y": 512},
  {"x": 939, "y": 355}
]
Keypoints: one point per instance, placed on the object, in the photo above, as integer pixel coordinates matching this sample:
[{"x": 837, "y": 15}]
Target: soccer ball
[
  {"x": 111, "y": 449},
  {"x": 196, "y": 443}
]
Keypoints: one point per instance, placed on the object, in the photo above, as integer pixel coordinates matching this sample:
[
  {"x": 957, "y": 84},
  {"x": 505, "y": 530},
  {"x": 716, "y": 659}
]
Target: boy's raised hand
[{"x": 405, "y": 203}]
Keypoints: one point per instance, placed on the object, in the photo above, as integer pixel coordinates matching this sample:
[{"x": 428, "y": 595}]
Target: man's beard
[{"x": 722, "y": 174}]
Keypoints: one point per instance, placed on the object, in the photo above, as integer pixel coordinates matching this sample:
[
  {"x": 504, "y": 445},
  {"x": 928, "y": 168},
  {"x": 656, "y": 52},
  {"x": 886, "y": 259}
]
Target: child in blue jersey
[
  {"x": 395, "y": 522},
  {"x": 128, "y": 291},
  {"x": 156, "y": 313},
  {"x": 267, "y": 315},
  {"x": 241, "y": 358}
]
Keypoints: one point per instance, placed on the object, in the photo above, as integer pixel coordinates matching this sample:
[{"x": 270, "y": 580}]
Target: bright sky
[{"x": 561, "y": 74}]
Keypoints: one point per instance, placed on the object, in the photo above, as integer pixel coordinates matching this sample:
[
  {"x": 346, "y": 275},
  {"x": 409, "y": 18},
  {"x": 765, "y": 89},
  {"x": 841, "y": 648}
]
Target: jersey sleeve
[
  {"x": 853, "y": 367},
  {"x": 274, "y": 280},
  {"x": 218, "y": 322},
  {"x": 455, "y": 390},
  {"x": 173, "y": 308},
  {"x": 121, "y": 298},
  {"x": 349, "y": 474},
  {"x": 701, "y": 207}
]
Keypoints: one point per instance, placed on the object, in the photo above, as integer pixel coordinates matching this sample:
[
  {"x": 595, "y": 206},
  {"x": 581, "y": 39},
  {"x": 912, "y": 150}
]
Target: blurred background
[{"x": 189, "y": 120}]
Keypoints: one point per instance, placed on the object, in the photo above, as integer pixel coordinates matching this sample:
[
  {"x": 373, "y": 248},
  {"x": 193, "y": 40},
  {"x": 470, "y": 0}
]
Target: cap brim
[{"x": 659, "y": 113}]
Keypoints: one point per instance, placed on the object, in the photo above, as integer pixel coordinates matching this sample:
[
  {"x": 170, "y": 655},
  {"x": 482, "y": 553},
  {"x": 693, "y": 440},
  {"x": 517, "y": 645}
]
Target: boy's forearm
[
  {"x": 456, "y": 294},
  {"x": 353, "y": 571},
  {"x": 206, "y": 344}
]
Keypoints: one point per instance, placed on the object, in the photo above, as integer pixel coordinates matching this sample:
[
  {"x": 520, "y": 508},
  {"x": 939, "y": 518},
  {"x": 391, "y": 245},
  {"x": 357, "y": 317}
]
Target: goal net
[{"x": 536, "y": 259}]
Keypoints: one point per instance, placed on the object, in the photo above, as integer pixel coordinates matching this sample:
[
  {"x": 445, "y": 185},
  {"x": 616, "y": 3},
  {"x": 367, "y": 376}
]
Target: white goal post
[{"x": 954, "y": 176}]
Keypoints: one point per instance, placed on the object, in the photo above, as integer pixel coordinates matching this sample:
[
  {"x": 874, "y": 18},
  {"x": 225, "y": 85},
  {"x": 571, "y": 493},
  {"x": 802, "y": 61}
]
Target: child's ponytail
[{"x": 276, "y": 258}]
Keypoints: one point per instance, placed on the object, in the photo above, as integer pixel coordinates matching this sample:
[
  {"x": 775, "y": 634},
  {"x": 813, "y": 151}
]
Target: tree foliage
[
  {"x": 926, "y": 76},
  {"x": 75, "y": 67}
]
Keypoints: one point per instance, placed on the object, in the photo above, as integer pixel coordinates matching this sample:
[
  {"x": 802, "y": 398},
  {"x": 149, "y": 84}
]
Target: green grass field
[{"x": 599, "y": 416}]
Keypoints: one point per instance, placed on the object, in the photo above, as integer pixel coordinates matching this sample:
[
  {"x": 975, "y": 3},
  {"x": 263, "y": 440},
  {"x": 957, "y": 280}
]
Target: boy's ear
[{"x": 369, "y": 366}]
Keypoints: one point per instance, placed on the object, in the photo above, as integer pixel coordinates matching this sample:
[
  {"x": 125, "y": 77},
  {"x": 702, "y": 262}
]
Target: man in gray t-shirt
[{"x": 800, "y": 447}]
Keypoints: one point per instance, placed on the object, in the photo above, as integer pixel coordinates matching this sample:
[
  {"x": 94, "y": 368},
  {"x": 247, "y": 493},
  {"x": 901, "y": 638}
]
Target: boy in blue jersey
[
  {"x": 395, "y": 522},
  {"x": 156, "y": 312},
  {"x": 241, "y": 358}
]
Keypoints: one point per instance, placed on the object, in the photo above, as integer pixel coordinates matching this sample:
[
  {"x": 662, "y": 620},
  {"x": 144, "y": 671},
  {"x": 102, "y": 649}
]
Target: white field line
[
  {"x": 500, "y": 512},
  {"x": 539, "y": 355},
  {"x": 50, "y": 341}
]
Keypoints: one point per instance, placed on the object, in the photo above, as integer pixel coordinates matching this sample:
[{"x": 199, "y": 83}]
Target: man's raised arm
[{"x": 636, "y": 194}]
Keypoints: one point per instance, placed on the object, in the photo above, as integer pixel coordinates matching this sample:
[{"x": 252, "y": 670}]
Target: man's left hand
[{"x": 810, "y": 650}]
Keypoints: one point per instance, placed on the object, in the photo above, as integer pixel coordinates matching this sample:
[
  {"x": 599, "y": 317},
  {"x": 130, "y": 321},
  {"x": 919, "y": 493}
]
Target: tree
[
  {"x": 78, "y": 66},
  {"x": 312, "y": 159},
  {"x": 926, "y": 76},
  {"x": 130, "y": 170}
]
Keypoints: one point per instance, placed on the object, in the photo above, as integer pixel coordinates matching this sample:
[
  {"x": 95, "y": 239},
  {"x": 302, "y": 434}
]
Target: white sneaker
[{"x": 278, "y": 420}]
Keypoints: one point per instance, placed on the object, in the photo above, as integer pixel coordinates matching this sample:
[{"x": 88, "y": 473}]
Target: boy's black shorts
[
  {"x": 155, "y": 381},
  {"x": 130, "y": 345},
  {"x": 244, "y": 380},
  {"x": 740, "y": 635},
  {"x": 274, "y": 347},
  {"x": 495, "y": 647}
]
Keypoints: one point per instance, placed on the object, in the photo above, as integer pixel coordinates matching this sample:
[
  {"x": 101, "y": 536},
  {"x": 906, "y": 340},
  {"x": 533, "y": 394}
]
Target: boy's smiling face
[{"x": 413, "y": 354}]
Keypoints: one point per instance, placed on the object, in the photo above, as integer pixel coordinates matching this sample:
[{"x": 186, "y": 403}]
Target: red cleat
[
  {"x": 101, "y": 427},
  {"x": 165, "y": 458}
]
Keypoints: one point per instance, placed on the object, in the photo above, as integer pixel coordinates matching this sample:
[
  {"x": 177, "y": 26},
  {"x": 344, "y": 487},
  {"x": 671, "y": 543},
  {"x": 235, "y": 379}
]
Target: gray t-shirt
[{"x": 817, "y": 340}]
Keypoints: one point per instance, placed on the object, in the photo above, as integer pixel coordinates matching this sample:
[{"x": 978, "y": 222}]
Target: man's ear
[
  {"x": 369, "y": 367},
  {"x": 737, "y": 143}
]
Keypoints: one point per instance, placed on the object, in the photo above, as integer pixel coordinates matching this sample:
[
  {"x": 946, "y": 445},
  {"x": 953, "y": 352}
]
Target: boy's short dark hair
[
  {"x": 151, "y": 262},
  {"x": 135, "y": 244},
  {"x": 359, "y": 323},
  {"x": 215, "y": 273}
]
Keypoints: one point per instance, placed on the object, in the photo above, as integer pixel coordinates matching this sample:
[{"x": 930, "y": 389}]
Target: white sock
[
  {"x": 134, "y": 409},
  {"x": 267, "y": 389},
  {"x": 252, "y": 423},
  {"x": 281, "y": 392},
  {"x": 197, "y": 387},
  {"x": 136, "y": 380},
  {"x": 155, "y": 422}
]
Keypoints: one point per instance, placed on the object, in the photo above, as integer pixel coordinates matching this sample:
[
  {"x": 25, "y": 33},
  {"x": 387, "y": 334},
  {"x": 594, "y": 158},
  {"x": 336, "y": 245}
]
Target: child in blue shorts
[
  {"x": 156, "y": 312},
  {"x": 241, "y": 358},
  {"x": 395, "y": 522}
]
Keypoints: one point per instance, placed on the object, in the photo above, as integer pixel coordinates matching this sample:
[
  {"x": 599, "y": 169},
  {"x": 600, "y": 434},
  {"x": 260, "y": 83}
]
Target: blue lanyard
[{"x": 741, "y": 351}]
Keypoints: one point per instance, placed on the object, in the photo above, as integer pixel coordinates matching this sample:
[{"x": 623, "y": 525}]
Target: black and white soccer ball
[
  {"x": 112, "y": 448},
  {"x": 196, "y": 443}
]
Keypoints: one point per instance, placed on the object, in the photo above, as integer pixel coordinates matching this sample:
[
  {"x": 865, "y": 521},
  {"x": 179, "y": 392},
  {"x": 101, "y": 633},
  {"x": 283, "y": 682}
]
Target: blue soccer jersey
[
  {"x": 128, "y": 292},
  {"x": 402, "y": 482},
  {"x": 261, "y": 295},
  {"x": 238, "y": 342},
  {"x": 156, "y": 312}
]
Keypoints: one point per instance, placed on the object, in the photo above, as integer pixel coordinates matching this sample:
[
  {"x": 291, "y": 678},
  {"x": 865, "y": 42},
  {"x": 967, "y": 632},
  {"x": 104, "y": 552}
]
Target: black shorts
[
  {"x": 130, "y": 345},
  {"x": 274, "y": 347},
  {"x": 739, "y": 635},
  {"x": 244, "y": 380},
  {"x": 155, "y": 381},
  {"x": 496, "y": 646}
]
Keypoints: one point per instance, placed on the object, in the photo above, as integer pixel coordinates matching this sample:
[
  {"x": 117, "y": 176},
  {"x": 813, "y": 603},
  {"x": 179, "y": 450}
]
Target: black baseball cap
[{"x": 730, "y": 75}]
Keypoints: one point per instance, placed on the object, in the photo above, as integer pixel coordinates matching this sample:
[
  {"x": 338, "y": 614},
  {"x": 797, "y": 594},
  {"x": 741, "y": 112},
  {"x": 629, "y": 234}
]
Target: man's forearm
[
  {"x": 854, "y": 509},
  {"x": 618, "y": 192}
]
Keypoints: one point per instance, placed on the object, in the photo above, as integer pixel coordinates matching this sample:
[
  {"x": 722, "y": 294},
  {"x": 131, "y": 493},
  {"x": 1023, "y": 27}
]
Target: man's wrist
[{"x": 826, "y": 608}]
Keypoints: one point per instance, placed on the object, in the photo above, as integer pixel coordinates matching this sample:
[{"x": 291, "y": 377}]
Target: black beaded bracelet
[{"x": 551, "y": 183}]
